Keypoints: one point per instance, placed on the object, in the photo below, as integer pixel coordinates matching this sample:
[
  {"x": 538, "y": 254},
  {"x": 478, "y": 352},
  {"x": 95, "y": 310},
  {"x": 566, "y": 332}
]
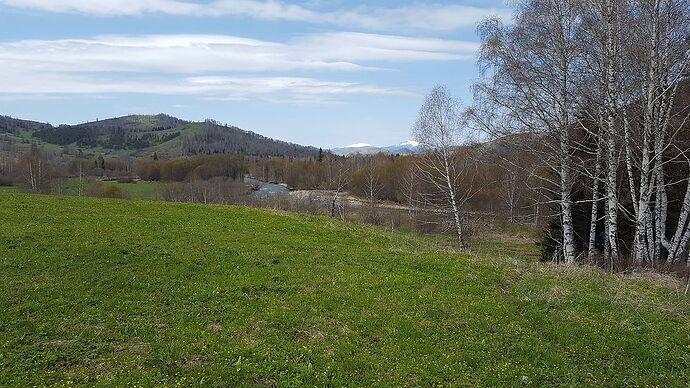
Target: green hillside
[
  {"x": 141, "y": 136},
  {"x": 108, "y": 292}
]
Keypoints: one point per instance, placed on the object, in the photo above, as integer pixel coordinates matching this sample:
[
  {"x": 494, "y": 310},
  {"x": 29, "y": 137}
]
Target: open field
[{"x": 106, "y": 292}]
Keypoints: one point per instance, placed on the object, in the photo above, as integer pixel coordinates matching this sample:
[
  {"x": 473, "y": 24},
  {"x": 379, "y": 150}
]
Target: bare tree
[
  {"x": 439, "y": 128},
  {"x": 662, "y": 29},
  {"x": 529, "y": 88},
  {"x": 510, "y": 188},
  {"x": 602, "y": 90},
  {"x": 589, "y": 99},
  {"x": 410, "y": 190},
  {"x": 339, "y": 180},
  {"x": 81, "y": 177},
  {"x": 373, "y": 184},
  {"x": 609, "y": 112},
  {"x": 35, "y": 170}
]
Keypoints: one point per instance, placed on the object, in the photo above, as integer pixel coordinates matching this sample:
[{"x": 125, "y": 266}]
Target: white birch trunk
[
  {"x": 612, "y": 151},
  {"x": 677, "y": 246},
  {"x": 594, "y": 216},
  {"x": 567, "y": 207}
]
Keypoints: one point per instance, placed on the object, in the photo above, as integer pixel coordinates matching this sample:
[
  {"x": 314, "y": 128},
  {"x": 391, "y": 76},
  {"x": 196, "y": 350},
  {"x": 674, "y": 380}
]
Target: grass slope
[{"x": 105, "y": 292}]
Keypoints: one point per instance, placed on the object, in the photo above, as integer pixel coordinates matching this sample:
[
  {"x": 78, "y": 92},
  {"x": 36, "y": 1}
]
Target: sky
[{"x": 314, "y": 72}]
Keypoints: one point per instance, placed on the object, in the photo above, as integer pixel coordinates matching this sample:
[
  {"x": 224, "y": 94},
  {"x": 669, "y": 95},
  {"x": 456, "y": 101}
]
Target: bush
[
  {"x": 114, "y": 192},
  {"x": 110, "y": 191}
]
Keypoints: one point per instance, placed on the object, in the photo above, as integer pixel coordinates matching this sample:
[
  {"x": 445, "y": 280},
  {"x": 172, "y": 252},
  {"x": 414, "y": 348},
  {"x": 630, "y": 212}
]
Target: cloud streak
[
  {"x": 208, "y": 53},
  {"x": 298, "y": 90},
  {"x": 422, "y": 17},
  {"x": 208, "y": 65}
]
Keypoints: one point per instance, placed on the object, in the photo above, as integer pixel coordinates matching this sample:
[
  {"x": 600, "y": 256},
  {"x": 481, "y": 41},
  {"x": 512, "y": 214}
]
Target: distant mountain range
[
  {"x": 144, "y": 135},
  {"x": 406, "y": 148}
]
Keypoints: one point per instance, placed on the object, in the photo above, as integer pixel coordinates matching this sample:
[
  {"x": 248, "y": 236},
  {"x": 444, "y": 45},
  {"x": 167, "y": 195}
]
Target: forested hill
[
  {"x": 141, "y": 135},
  {"x": 12, "y": 125}
]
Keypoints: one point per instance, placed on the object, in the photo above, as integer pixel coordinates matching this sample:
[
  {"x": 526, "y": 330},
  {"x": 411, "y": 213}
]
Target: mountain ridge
[{"x": 142, "y": 135}]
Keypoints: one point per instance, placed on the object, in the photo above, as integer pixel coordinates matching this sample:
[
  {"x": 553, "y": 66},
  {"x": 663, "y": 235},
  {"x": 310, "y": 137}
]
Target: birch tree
[
  {"x": 373, "y": 184},
  {"x": 610, "y": 108},
  {"x": 35, "y": 168},
  {"x": 410, "y": 190},
  {"x": 338, "y": 182},
  {"x": 440, "y": 126},
  {"x": 661, "y": 28},
  {"x": 599, "y": 44},
  {"x": 529, "y": 87}
]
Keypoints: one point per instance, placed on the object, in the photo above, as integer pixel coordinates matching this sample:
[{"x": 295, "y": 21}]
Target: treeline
[
  {"x": 499, "y": 191},
  {"x": 35, "y": 170},
  {"x": 204, "y": 167},
  {"x": 38, "y": 171},
  {"x": 499, "y": 188}
]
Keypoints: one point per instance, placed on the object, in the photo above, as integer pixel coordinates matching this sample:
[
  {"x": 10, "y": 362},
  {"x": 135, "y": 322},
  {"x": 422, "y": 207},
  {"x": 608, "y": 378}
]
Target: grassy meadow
[{"x": 99, "y": 292}]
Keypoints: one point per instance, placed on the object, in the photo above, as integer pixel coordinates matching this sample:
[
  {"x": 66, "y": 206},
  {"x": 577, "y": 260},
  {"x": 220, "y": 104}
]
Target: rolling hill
[
  {"x": 142, "y": 135},
  {"x": 98, "y": 292}
]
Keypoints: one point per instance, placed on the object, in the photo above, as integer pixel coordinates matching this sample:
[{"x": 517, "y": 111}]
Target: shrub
[
  {"x": 109, "y": 191},
  {"x": 114, "y": 192}
]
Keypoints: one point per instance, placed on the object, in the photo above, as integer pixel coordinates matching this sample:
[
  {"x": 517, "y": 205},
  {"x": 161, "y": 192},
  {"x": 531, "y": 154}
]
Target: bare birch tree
[
  {"x": 439, "y": 128},
  {"x": 410, "y": 190},
  {"x": 530, "y": 88},
  {"x": 662, "y": 56},
  {"x": 339, "y": 180},
  {"x": 600, "y": 91},
  {"x": 565, "y": 69},
  {"x": 373, "y": 185},
  {"x": 35, "y": 171}
]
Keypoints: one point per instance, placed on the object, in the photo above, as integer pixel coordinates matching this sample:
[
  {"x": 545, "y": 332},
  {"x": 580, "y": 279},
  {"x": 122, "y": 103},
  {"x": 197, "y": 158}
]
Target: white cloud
[
  {"x": 206, "y": 53},
  {"x": 273, "y": 89},
  {"x": 354, "y": 47},
  {"x": 107, "y": 7},
  {"x": 172, "y": 54},
  {"x": 424, "y": 17},
  {"x": 208, "y": 65}
]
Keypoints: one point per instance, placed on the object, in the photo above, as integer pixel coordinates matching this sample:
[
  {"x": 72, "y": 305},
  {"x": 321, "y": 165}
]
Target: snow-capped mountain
[
  {"x": 408, "y": 147},
  {"x": 405, "y": 148},
  {"x": 410, "y": 143}
]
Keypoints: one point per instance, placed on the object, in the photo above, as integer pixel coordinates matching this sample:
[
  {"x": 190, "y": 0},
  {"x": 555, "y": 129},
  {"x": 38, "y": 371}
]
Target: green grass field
[{"x": 110, "y": 292}]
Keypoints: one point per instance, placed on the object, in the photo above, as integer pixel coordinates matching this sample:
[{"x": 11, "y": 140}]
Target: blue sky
[{"x": 323, "y": 73}]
